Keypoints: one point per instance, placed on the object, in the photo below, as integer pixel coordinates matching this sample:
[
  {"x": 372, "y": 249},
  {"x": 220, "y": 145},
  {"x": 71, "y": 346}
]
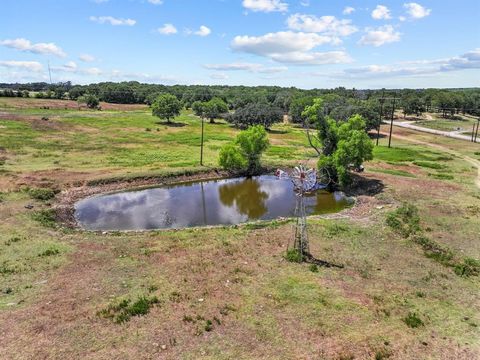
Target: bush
[
  {"x": 293, "y": 255},
  {"x": 45, "y": 217},
  {"x": 43, "y": 194},
  {"x": 244, "y": 154},
  {"x": 412, "y": 320},
  {"x": 231, "y": 159}
]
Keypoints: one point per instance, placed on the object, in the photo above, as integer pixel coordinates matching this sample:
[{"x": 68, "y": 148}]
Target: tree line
[{"x": 339, "y": 103}]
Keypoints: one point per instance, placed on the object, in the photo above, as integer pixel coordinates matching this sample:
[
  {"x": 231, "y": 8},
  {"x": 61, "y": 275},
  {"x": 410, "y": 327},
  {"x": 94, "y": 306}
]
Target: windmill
[{"x": 304, "y": 180}]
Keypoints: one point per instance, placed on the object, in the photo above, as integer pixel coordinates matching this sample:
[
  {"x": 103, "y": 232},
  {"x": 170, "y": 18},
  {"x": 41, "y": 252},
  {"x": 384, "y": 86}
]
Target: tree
[
  {"x": 215, "y": 108},
  {"x": 344, "y": 146},
  {"x": 297, "y": 106},
  {"x": 166, "y": 107},
  {"x": 90, "y": 100},
  {"x": 256, "y": 114},
  {"x": 245, "y": 153}
]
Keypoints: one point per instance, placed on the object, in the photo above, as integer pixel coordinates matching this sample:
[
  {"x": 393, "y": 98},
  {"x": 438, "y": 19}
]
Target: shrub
[
  {"x": 245, "y": 153},
  {"x": 469, "y": 267},
  {"x": 49, "y": 252},
  {"x": 412, "y": 320},
  {"x": 313, "y": 268},
  {"x": 293, "y": 255},
  {"x": 45, "y": 217},
  {"x": 43, "y": 194}
]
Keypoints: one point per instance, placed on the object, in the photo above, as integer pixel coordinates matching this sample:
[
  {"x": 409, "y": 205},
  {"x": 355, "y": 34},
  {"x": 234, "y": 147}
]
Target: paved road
[{"x": 451, "y": 134}]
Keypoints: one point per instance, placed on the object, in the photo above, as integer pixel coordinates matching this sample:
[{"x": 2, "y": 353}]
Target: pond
[{"x": 201, "y": 203}]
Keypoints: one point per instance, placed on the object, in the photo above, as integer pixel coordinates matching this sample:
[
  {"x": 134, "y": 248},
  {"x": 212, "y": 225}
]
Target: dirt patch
[
  {"x": 22, "y": 103},
  {"x": 36, "y": 122}
]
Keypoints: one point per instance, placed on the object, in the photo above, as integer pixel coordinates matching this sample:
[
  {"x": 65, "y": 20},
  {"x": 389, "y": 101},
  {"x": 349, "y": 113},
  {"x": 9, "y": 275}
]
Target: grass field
[{"x": 228, "y": 292}]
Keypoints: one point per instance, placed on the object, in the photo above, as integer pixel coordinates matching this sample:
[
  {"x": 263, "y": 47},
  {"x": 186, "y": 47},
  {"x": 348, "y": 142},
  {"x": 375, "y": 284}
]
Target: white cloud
[
  {"x": 167, "y": 29},
  {"x": 348, "y": 10},
  {"x": 381, "y": 12},
  {"x": 86, "y": 58},
  {"x": 203, "y": 31},
  {"x": 71, "y": 65},
  {"x": 416, "y": 11},
  {"x": 265, "y": 5},
  {"x": 156, "y": 2},
  {"x": 380, "y": 36},
  {"x": 279, "y": 42},
  {"x": 92, "y": 71},
  {"x": 219, "y": 76},
  {"x": 38, "y": 48},
  {"x": 469, "y": 60},
  {"x": 26, "y": 65},
  {"x": 313, "y": 58},
  {"x": 250, "y": 67},
  {"x": 305, "y": 3},
  {"x": 112, "y": 20},
  {"x": 290, "y": 47},
  {"x": 328, "y": 25}
]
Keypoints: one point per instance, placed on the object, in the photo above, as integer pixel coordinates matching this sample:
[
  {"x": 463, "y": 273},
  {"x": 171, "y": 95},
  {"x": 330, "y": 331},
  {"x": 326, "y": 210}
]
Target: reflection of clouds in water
[{"x": 229, "y": 201}]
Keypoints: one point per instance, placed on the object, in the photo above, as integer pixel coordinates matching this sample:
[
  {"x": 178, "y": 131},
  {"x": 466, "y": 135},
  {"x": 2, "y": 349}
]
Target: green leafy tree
[
  {"x": 342, "y": 146},
  {"x": 166, "y": 107},
  {"x": 90, "y": 100},
  {"x": 256, "y": 114},
  {"x": 214, "y": 109},
  {"x": 297, "y": 106},
  {"x": 245, "y": 153}
]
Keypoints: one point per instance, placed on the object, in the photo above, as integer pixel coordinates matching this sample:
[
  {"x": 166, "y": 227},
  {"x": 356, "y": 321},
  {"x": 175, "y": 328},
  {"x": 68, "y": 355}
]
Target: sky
[{"x": 301, "y": 43}]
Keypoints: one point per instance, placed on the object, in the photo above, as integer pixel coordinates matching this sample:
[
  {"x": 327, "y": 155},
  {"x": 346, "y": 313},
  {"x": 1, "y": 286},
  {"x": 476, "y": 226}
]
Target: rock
[
  {"x": 201, "y": 300},
  {"x": 164, "y": 347},
  {"x": 29, "y": 206}
]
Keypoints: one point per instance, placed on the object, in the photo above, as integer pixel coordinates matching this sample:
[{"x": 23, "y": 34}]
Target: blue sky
[{"x": 302, "y": 43}]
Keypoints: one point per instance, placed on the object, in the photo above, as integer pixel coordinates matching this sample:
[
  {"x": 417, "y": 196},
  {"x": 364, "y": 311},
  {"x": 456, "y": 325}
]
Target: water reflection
[
  {"x": 246, "y": 195},
  {"x": 229, "y": 201}
]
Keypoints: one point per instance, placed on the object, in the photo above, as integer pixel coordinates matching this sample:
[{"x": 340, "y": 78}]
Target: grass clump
[
  {"x": 412, "y": 320},
  {"x": 469, "y": 267},
  {"x": 313, "y": 268},
  {"x": 13, "y": 240},
  {"x": 430, "y": 165},
  {"x": 45, "y": 217},
  {"x": 405, "y": 220},
  {"x": 42, "y": 194},
  {"x": 125, "y": 309},
  {"x": 293, "y": 255},
  {"x": 51, "y": 251},
  {"x": 442, "y": 176}
]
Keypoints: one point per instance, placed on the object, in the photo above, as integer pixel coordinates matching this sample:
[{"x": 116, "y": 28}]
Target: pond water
[{"x": 212, "y": 202}]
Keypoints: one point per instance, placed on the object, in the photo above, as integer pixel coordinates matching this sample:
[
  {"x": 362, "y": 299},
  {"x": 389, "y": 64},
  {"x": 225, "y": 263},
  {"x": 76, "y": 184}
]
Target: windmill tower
[{"x": 304, "y": 180}]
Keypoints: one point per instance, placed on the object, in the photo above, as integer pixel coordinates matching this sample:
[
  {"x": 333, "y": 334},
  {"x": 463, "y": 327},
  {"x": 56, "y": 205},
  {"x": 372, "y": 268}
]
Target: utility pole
[
  {"x": 382, "y": 100},
  {"x": 201, "y": 146},
  {"x": 476, "y": 132},
  {"x": 49, "y": 72},
  {"x": 391, "y": 124}
]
